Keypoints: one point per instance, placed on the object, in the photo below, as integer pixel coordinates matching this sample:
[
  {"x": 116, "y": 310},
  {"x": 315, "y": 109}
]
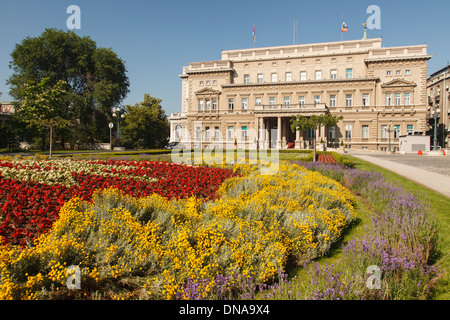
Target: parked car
[{"x": 174, "y": 145}]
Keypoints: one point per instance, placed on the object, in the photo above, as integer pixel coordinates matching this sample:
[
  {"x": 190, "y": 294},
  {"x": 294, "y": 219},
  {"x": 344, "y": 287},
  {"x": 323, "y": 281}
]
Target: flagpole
[
  {"x": 342, "y": 31},
  {"x": 254, "y": 36}
]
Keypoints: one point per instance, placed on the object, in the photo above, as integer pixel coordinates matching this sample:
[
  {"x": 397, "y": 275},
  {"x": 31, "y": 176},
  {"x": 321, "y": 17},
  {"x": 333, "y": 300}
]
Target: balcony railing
[{"x": 292, "y": 107}]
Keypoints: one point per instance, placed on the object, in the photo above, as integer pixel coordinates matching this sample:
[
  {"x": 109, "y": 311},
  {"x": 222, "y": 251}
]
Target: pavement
[{"x": 432, "y": 172}]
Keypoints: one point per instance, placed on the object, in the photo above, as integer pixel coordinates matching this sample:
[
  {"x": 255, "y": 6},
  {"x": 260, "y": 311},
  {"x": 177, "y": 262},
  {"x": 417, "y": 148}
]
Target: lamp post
[
  {"x": 118, "y": 113},
  {"x": 435, "y": 116},
  {"x": 389, "y": 130},
  {"x": 111, "y": 126}
]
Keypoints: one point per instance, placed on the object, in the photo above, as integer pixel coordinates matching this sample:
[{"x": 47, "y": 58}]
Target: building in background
[
  {"x": 6, "y": 110},
  {"x": 439, "y": 99},
  {"x": 249, "y": 96}
]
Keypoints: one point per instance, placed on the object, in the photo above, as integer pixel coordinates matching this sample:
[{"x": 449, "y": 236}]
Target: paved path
[{"x": 433, "y": 180}]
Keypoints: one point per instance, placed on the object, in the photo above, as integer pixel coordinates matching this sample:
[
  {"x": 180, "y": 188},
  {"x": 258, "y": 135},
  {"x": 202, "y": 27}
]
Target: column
[
  {"x": 172, "y": 133},
  {"x": 261, "y": 132},
  {"x": 279, "y": 133},
  {"x": 266, "y": 134},
  {"x": 297, "y": 139}
]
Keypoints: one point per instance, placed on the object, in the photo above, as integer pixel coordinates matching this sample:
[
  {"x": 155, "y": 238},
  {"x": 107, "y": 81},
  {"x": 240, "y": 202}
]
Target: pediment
[
  {"x": 207, "y": 91},
  {"x": 398, "y": 83}
]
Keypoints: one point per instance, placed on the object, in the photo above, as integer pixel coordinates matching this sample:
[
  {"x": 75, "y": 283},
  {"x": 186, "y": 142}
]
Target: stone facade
[
  {"x": 438, "y": 85},
  {"x": 249, "y": 96}
]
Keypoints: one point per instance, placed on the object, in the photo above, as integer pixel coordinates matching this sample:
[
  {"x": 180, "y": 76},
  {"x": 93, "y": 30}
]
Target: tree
[
  {"x": 96, "y": 79},
  {"x": 313, "y": 122},
  {"x": 145, "y": 125},
  {"x": 41, "y": 107}
]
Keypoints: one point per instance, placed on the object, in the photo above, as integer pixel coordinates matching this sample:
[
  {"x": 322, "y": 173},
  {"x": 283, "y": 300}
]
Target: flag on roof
[{"x": 344, "y": 27}]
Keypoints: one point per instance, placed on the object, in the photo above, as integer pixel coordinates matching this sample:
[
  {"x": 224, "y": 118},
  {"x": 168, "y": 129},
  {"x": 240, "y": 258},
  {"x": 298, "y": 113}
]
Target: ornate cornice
[{"x": 287, "y": 83}]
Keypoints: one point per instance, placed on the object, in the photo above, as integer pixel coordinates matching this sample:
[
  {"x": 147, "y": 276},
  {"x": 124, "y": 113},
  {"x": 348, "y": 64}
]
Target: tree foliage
[
  {"x": 96, "y": 79},
  {"x": 145, "y": 125},
  {"x": 313, "y": 122},
  {"x": 41, "y": 105}
]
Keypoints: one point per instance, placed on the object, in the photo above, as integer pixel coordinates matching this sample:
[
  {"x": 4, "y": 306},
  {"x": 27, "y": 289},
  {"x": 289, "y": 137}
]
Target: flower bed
[
  {"x": 401, "y": 241},
  {"x": 325, "y": 158},
  {"x": 167, "y": 249},
  {"x": 33, "y": 191}
]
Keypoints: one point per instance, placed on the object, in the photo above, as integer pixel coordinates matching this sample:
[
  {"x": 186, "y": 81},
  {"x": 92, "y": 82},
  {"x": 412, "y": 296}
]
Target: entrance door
[{"x": 273, "y": 137}]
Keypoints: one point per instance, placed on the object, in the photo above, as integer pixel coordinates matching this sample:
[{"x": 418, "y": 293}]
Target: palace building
[{"x": 250, "y": 95}]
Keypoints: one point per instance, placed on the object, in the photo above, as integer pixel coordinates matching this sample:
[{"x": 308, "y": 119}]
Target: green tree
[
  {"x": 313, "y": 122},
  {"x": 145, "y": 125},
  {"x": 96, "y": 79},
  {"x": 41, "y": 107}
]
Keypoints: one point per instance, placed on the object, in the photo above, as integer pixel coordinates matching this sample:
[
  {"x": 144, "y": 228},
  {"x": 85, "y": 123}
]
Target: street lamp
[
  {"x": 435, "y": 116},
  {"x": 389, "y": 133},
  {"x": 118, "y": 113}
]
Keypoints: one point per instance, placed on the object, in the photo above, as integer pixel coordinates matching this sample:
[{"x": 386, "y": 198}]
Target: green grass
[{"x": 440, "y": 206}]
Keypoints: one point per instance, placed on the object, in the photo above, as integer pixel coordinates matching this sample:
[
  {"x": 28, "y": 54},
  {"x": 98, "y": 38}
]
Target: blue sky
[{"x": 157, "y": 38}]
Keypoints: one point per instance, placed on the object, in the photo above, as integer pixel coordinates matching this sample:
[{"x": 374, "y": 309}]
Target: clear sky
[{"x": 157, "y": 38}]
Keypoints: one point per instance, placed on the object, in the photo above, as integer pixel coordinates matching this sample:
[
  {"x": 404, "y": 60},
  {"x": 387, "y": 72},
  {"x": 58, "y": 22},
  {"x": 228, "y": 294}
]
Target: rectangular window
[
  {"x": 198, "y": 133},
  {"x": 407, "y": 98},
  {"x": 200, "y": 105},
  {"x": 230, "y": 133},
  {"x": 208, "y": 82},
  {"x": 272, "y": 101},
  {"x": 398, "y": 72},
  {"x": 244, "y": 132},
  {"x": 208, "y": 105},
  {"x": 214, "y": 81},
  {"x": 316, "y": 99},
  {"x": 274, "y": 77},
  {"x": 246, "y": 78},
  {"x": 348, "y": 131},
  {"x": 365, "y": 99},
  {"x": 318, "y": 75},
  {"x": 231, "y": 104},
  {"x": 348, "y": 100},
  {"x": 332, "y": 132},
  {"x": 214, "y": 104},
  {"x": 389, "y": 73},
  {"x": 287, "y": 101},
  {"x": 260, "y": 78},
  {"x": 365, "y": 132},
  {"x": 410, "y": 129},
  {"x": 333, "y": 100},
  {"x": 258, "y": 101},
  {"x": 201, "y": 83},
  {"x": 407, "y": 72},
  {"x": 333, "y": 74},
  {"x": 216, "y": 134},
  {"x": 288, "y": 76},
  {"x": 349, "y": 73},
  {"x": 397, "y": 99},
  {"x": 206, "y": 133},
  {"x": 388, "y": 99},
  {"x": 302, "y": 75},
  {"x": 301, "y": 100},
  {"x": 384, "y": 132},
  {"x": 396, "y": 131},
  {"x": 244, "y": 103}
]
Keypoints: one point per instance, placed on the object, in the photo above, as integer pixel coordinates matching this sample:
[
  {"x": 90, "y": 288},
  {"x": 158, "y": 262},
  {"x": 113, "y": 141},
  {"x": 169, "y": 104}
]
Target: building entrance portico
[{"x": 274, "y": 123}]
